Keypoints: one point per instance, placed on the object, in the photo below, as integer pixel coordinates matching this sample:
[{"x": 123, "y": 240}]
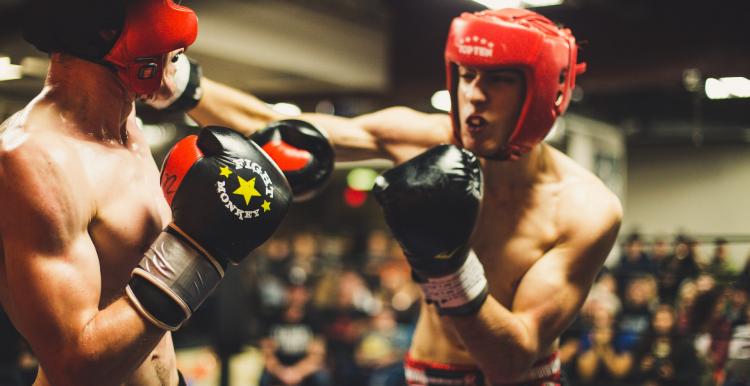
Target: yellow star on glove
[
  {"x": 247, "y": 189},
  {"x": 266, "y": 206},
  {"x": 225, "y": 171}
]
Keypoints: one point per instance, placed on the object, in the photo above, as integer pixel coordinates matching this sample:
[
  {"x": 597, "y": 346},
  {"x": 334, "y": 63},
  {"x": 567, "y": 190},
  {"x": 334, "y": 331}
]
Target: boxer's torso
[
  {"x": 515, "y": 229},
  {"x": 127, "y": 213}
]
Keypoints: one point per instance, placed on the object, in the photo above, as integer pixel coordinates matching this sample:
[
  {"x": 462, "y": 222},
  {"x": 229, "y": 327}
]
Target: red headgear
[
  {"x": 523, "y": 40},
  {"x": 151, "y": 30}
]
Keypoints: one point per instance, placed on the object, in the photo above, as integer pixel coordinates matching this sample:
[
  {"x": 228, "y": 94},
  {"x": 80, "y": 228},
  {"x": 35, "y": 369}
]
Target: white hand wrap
[{"x": 461, "y": 292}]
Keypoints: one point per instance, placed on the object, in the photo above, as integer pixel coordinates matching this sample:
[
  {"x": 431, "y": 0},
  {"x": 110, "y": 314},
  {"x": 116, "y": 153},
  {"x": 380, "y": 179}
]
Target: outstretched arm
[{"x": 396, "y": 133}]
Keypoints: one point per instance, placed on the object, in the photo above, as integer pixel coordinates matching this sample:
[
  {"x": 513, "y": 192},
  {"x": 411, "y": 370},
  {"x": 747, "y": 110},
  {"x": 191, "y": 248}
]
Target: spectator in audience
[
  {"x": 381, "y": 351},
  {"x": 306, "y": 266},
  {"x": 663, "y": 357},
  {"x": 376, "y": 253},
  {"x": 681, "y": 265},
  {"x": 684, "y": 307},
  {"x": 273, "y": 267},
  {"x": 293, "y": 351},
  {"x": 602, "y": 361},
  {"x": 603, "y": 294},
  {"x": 719, "y": 266},
  {"x": 635, "y": 317},
  {"x": 660, "y": 250},
  {"x": 346, "y": 305},
  {"x": 728, "y": 313},
  {"x": 633, "y": 262},
  {"x": 737, "y": 368}
]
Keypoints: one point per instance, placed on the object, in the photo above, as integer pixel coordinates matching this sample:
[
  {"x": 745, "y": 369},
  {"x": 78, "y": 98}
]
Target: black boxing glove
[
  {"x": 302, "y": 152},
  {"x": 431, "y": 204},
  {"x": 227, "y": 197},
  {"x": 183, "y": 91}
]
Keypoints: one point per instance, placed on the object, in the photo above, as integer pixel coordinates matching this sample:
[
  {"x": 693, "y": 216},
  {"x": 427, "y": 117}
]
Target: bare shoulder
[
  {"x": 42, "y": 182},
  {"x": 401, "y": 130},
  {"x": 589, "y": 213}
]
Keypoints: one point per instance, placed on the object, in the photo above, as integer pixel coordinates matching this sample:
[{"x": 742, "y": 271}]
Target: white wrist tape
[{"x": 459, "y": 288}]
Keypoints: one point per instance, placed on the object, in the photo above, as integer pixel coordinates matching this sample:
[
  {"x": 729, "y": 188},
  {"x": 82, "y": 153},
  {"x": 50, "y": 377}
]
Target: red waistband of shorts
[{"x": 544, "y": 372}]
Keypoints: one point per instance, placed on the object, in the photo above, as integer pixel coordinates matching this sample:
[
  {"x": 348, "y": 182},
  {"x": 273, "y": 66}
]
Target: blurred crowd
[
  {"x": 324, "y": 311},
  {"x": 663, "y": 316}
]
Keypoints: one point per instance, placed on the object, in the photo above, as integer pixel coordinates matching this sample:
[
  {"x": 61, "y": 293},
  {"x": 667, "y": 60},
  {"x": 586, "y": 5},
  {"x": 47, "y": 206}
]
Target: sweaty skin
[
  {"x": 81, "y": 203},
  {"x": 544, "y": 230}
]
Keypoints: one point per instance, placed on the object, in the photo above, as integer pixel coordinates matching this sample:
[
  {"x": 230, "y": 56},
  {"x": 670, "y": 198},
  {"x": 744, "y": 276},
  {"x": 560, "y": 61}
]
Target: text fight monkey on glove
[{"x": 227, "y": 197}]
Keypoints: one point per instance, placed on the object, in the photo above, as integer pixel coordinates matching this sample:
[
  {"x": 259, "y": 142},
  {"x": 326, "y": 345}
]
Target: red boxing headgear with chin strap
[
  {"x": 523, "y": 40},
  {"x": 151, "y": 30}
]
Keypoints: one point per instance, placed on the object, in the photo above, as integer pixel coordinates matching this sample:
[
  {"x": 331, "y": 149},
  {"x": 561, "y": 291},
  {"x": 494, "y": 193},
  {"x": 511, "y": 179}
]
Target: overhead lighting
[
  {"x": 441, "y": 100},
  {"x": 9, "y": 71},
  {"x": 725, "y": 88},
  {"x": 497, "y": 4},
  {"x": 541, "y": 3},
  {"x": 287, "y": 109}
]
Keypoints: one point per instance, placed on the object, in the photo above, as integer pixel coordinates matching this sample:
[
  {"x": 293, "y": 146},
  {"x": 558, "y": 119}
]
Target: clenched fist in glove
[
  {"x": 431, "y": 204},
  {"x": 227, "y": 197}
]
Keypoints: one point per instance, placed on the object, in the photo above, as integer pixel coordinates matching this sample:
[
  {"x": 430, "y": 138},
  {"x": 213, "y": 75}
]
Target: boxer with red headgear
[
  {"x": 504, "y": 233},
  {"x": 98, "y": 263}
]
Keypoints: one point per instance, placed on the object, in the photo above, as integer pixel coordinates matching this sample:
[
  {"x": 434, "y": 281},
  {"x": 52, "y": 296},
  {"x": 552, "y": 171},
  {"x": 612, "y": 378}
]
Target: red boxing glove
[{"x": 302, "y": 152}]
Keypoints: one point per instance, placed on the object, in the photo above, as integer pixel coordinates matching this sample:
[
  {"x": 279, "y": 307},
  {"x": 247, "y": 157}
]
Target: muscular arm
[
  {"x": 548, "y": 296},
  {"x": 54, "y": 281},
  {"x": 396, "y": 133}
]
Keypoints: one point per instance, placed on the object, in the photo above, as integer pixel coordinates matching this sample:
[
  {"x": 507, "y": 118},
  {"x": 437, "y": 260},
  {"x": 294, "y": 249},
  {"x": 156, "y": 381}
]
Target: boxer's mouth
[{"x": 475, "y": 123}]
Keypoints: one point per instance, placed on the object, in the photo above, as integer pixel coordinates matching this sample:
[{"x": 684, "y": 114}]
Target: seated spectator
[
  {"x": 737, "y": 368},
  {"x": 636, "y": 311},
  {"x": 660, "y": 250},
  {"x": 293, "y": 352},
  {"x": 381, "y": 351},
  {"x": 603, "y": 294},
  {"x": 634, "y": 262},
  {"x": 663, "y": 357},
  {"x": 345, "y": 305},
  {"x": 719, "y": 266},
  {"x": 602, "y": 361},
  {"x": 677, "y": 267}
]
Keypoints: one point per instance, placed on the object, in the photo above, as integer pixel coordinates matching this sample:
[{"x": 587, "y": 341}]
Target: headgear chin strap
[
  {"x": 518, "y": 39},
  {"x": 151, "y": 30}
]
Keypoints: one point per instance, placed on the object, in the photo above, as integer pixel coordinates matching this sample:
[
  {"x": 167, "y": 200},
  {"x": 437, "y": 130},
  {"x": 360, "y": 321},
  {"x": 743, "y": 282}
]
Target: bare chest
[
  {"x": 130, "y": 210},
  {"x": 509, "y": 239}
]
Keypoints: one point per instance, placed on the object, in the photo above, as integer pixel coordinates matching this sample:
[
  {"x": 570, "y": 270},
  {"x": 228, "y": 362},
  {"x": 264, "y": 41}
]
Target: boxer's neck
[
  {"x": 520, "y": 174},
  {"x": 90, "y": 96}
]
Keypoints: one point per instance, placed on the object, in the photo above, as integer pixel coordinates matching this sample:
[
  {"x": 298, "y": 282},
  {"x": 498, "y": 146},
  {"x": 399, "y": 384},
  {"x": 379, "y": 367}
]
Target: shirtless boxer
[
  {"x": 95, "y": 269},
  {"x": 545, "y": 225}
]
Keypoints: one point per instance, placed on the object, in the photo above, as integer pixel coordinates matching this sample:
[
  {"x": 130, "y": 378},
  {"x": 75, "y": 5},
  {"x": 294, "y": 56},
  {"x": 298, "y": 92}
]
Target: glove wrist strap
[
  {"x": 460, "y": 293},
  {"x": 172, "y": 281}
]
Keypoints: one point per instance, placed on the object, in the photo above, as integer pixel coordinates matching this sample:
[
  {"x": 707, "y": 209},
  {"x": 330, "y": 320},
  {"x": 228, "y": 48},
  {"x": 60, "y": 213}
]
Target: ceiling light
[
  {"x": 441, "y": 100},
  {"x": 497, "y": 4},
  {"x": 9, "y": 71},
  {"x": 725, "y": 88}
]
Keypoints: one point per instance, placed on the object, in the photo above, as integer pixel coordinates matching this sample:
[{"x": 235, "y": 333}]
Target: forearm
[
  {"x": 226, "y": 106},
  {"x": 110, "y": 346},
  {"x": 498, "y": 340}
]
